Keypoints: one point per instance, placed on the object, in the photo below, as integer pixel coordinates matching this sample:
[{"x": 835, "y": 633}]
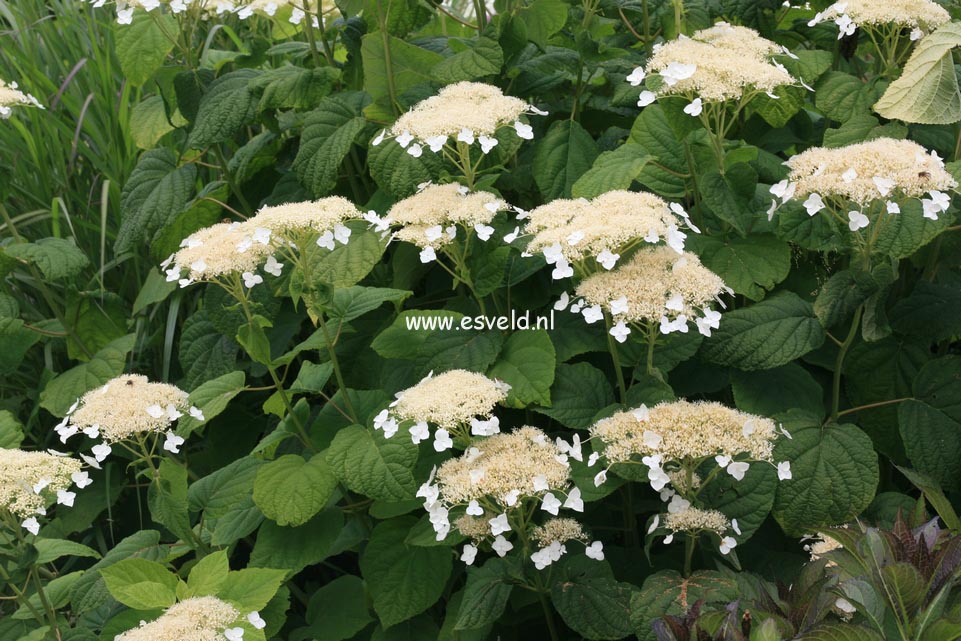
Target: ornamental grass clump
[
  {"x": 32, "y": 481},
  {"x": 133, "y": 413},
  {"x": 496, "y": 489},
  {"x": 581, "y": 236},
  {"x": 864, "y": 184},
  {"x": 293, "y": 11},
  {"x": 203, "y": 618},
  {"x": 11, "y": 96},
  {"x": 458, "y": 404},
  {"x": 460, "y": 115}
]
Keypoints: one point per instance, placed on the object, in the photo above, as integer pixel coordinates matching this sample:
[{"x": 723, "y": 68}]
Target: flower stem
[
  {"x": 689, "y": 544},
  {"x": 616, "y": 359},
  {"x": 839, "y": 363},
  {"x": 337, "y": 372}
]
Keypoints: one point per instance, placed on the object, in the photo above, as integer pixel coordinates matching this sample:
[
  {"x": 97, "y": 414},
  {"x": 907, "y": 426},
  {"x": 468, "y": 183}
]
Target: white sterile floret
[
  {"x": 203, "y": 617},
  {"x": 923, "y": 15},
  {"x": 449, "y": 400},
  {"x": 429, "y": 218},
  {"x": 28, "y": 480}
]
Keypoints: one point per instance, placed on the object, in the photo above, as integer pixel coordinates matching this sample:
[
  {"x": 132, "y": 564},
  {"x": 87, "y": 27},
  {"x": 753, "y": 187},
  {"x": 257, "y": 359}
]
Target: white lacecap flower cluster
[
  {"x": 209, "y": 9},
  {"x": 657, "y": 285},
  {"x": 124, "y": 408},
  {"x": 203, "y": 617},
  {"x": 683, "y": 518},
  {"x": 496, "y": 483},
  {"x": 31, "y": 481},
  {"x": 226, "y": 249},
  {"x": 458, "y": 403},
  {"x": 714, "y": 65},
  {"x": 572, "y": 232},
  {"x": 464, "y": 112},
  {"x": 921, "y": 16},
  {"x": 866, "y": 181},
  {"x": 11, "y": 96}
]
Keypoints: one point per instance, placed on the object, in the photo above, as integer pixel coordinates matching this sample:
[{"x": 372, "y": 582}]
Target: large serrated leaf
[
  {"x": 157, "y": 190},
  {"x": 526, "y": 363},
  {"x": 329, "y": 132},
  {"x": 750, "y": 266},
  {"x": 227, "y": 106},
  {"x": 143, "y": 45},
  {"x": 291, "y": 490},
  {"x": 56, "y": 258},
  {"x": 562, "y": 156},
  {"x": 374, "y": 466}
]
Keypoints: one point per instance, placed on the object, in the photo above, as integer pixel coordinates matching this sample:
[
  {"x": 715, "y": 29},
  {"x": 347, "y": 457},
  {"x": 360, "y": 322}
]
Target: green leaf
[
  {"x": 208, "y": 575},
  {"x": 157, "y": 190},
  {"x": 143, "y": 45},
  {"x": 750, "y": 266},
  {"x": 667, "y": 592},
  {"x": 226, "y": 500},
  {"x": 486, "y": 593},
  {"x": 748, "y": 500},
  {"x": 56, "y": 258},
  {"x": 291, "y": 87},
  {"x": 61, "y": 392},
  {"x": 835, "y": 474},
  {"x": 167, "y": 499},
  {"x": 374, "y": 466},
  {"x": 542, "y": 19},
  {"x": 841, "y": 632},
  {"x": 141, "y": 584},
  {"x": 251, "y": 588},
  {"x": 842, "y": 294},
  {"x": 397, "y": 172},
  {"x": 932, "y": 310},
  {"x": 227, "y": 106},
  {"x": 329, "y": 132},
  {"x": 927, "y": 91},
  {"x": 149, "y": 122},
  {"x": 339, "y": 610},
  {"x": 474, "y": 58},
  {"x": 935, "y": 496},
  {"x": 579, "y": 393},
  {"x": 777, "y": 112},
  {"x": 205, "y": 354},
  {"x": 931, "y": 422},
  {"x": 351, "y": 302},
  {"x": 49, "y": 550},
  {"x": 839, "y": 95},
  {"x": 294, "y": 548},
  {"x": 291, "y": 490},
  {"x": 562, "y": 156},
  {"x": 56, "y": 595},
  {"x": 403, "y": 580},
  {"x": 905, "y": 233},
  {"x": 526, "y": 363},
  {"x": 406, "y": 65},
  {"x": 11, "y": 430},
  {"x": 729, "y": 195},
  {"x": 211, "y": 398},
  {"x": 91, "y": 592},
  {"x": 653, "y": 133},
  {"x": 777, "y": 390},
  {"x": 611, "y": 170},
  {"x": 764, "y": 335},
  {"x": 15, "y": 342},
  {"x": 594, "y": 607},
  {"x": 348, "y": 264}
]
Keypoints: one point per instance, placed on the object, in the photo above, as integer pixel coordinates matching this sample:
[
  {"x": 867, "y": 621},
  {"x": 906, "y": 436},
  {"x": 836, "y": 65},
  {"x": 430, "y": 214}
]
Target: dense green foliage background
[{"x": 156, "y": 129}]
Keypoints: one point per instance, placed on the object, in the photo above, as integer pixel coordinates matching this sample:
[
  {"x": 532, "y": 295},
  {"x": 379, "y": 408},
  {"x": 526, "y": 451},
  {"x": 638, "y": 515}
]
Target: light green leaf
[
  {"x": 351, "y": 302},
  {"x": 143, "y": 45},
  {"x": 149, "y": 122},
  {"x": 141, "y": 584},
  {"x": 291, "y": 490},
  {"x": 292, "y": 87},
  {"x": 562, "y": 156},
  {"x": 835, "y": 474},
  {"x": 927, "y": 91},
  {"x": 612, "y": 170},
  {"x": 839, "y": 95},
  {"x": 211, "y": 398},
  {"x": 251, "y": 588},
  {"x": 167, "y": 499},
  {"x": 543, "y": 18},
  {"x": 49, "y": 550},
  {"x": 403, "y": 580},
  {"x": 56, "y": 258},
  {"x": 208, "y": 575},
  {"x": 91, "y": 592},
  {"x": 397, "y": 172},
  {"x": 329, "y": 132},
  {"x": 11, "y": 430},
  {"x": 346, "y": 265},
  {"x": 526, "y": 363},
  {"x": 406, "y": 64},
  {"x": 294, "y": 548},
  {"x": 655, "y": 136},
  {"x": 773, "y": 332},
  {"x": 61, "y": 392},
  {"x": 473, "y": 58},
  {"x": 374, "y": 466}
]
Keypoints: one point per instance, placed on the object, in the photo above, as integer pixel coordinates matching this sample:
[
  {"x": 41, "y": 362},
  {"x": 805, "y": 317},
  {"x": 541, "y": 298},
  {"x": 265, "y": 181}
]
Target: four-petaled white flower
[
  {"x": 738, "y": 469},
  {"x": 502, "y": 546},
  {"x": 694, "y": 108},
  {"x": 892, "y": 207},
  {"x": 474, "y": 509},
  {"x": 619, "y": 306},
  {"x": 857, "y": 220},
  {"x": 155, "y": 411},
  {"x": 442, "y": 440},
  {"x": 31, "y": 525},
  {"x": 728, "y": 543},
  {"x": 81, "y": 479},
  {"x": 784, "y": 471},
  {"x": 593, "y": 314},
  {"x": 251, "y": 279},
  {"x": 66, "y": 498},
  {"x": 256, "y": 620},
  {"x": 562, "y": 302},
  {"x": 850, "y": 175},
  {"x": 499, "y": 524},
  {"x": 173, "y": 442},
  {"x": 595, "y": 551},
  {"x": 637, "y": 76},
  {"x": 428, "y": 255},
  {"x": 783, "y": 190},
  {"x": 608, "y": 259},
  {"x": 487, "y": 143},
  {"x": 574, "y": 500},
  {"x": 404, "y": 139},
  {"x": 884, "y": 185},
  {"x": 234, "y": 634},
  {"x": 814, "y": 204},
  {"x": 101, "y": 451},
  {"x": 646, "y": 98},
  {"x": 620, "y": 332},
  {"x": 562, "y": 269},
  {"x": 436, "y": 143},
  {"x": 523, "y": 130},
  {"x": 483, "y": 231},
  {"x": 469, "y": 554},
  {"x": 675, "y": 72},
  {"x": 550, "y": 503}
]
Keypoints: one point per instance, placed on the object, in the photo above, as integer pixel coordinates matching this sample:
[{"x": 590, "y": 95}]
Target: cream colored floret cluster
[
  {"x": 558, "y": 530},
  {"x": 196, "y": 619},
  {"x": 697, "y": 520},
  {"x": 11, "y": 96},
  {"x": 728, "y": 62},
  {"x": 684, "y": 430},
  {"x": 427, "y": 216},
  {"x": 479, "y": 108},
  {"x": 923, "y": 14},
  {"x": 581, "y": 228},
  {"x": 506, "y": 465},
  {"x": 853, "y": 172},
  {"x": 450, "y": 399},
  {"x": 21, "y": 472},
  {"x": 130, "y": 404},
  {"x": 657, "y": 282}
]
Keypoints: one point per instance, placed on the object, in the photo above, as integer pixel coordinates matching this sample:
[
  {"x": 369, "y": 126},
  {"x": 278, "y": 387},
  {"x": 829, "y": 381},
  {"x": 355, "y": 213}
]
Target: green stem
[
  {"x": 548, "y": 616},
  {"x": 689, "y": 544},
  {"x": 839, "y": 363},
  {"x": 311, "y": 40},
  {"x": 337, "y": 372},
  {"x": 616, "y": 359},
  {"x": 651, "y": 342}
]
